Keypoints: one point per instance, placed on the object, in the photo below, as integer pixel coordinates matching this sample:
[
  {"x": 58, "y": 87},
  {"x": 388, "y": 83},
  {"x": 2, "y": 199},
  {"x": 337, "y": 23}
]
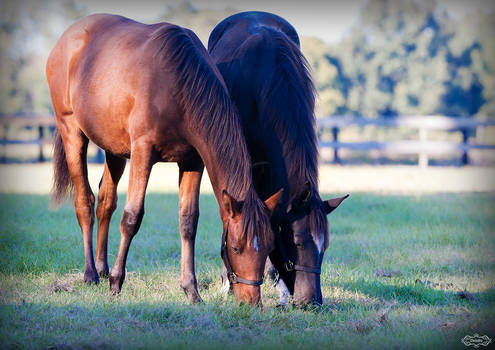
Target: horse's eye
[{"x": 235, "y": 250}]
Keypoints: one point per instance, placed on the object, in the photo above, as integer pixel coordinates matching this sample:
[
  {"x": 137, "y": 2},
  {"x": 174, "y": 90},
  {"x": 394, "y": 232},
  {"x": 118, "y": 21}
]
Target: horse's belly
[
  {"x": 175, "y": 151},
  {"x": 109, "y": 134}
]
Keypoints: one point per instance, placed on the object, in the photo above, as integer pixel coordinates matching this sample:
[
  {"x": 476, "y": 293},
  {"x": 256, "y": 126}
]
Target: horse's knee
[
  {"x": 106, "y": 205},
  {"x": 188, "y": 224},
  {"x": 131, "y": 220},
  {"x": 84, "y": 210}
]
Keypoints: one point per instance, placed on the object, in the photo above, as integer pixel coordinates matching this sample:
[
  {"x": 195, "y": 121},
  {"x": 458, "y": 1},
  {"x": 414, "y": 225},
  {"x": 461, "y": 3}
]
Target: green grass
[{"x": 438, "y": 249}]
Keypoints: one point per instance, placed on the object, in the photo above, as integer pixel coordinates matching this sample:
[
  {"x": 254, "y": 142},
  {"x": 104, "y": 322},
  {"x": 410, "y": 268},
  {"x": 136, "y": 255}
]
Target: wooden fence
[
  {"x": 41, "y": 123},
  {"x": 423, "y": 147}
]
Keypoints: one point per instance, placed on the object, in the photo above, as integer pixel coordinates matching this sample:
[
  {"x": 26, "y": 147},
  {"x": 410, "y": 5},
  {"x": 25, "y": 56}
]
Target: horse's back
[
  {"x": 244, "y": 49},
  {"x": 103, "y": 71},
  {"x": 114, "y": 77},
  {"x": 248, "y": 23}
]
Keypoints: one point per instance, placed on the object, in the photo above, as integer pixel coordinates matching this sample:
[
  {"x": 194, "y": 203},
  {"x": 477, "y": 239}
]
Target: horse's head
[
  {"x": 246, "y": 242},
  {"x": 301, "y": 243}
]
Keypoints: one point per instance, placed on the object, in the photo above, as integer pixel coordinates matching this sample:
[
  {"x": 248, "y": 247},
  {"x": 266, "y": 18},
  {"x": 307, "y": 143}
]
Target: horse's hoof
[
  {"x": 193, "y": 297},
  {"x": 103, "y": 273},
  {"x": 196, "y": 300},
  {"x": 114, "y": 290},
  {"x": 91, "y": 278},
  {"x": 115, "y": 284},
  {"x": 102, "y": 270}
]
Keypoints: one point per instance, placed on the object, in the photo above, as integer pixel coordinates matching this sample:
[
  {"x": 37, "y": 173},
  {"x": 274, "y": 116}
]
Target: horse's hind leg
[
  {"x": 190, "y": 174},
  {"x": 76, "y": 146},
  {"x": 107, "y": 203},
  {"x": 140, "y": 168}
]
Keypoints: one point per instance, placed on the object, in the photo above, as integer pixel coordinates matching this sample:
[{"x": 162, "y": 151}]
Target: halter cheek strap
[
  {"x": 289, "y": 266},
  {"x": 233, "y": 278}
]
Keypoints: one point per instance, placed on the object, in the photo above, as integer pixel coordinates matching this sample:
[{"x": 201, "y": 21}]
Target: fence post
[
  {"x": 4, "y": 146},
  {"x": 423, "y": 157},
  {"x": 465, "y": 135},
  {"x": 335, "y": 134},
  {"x": 41, "y": 157}
]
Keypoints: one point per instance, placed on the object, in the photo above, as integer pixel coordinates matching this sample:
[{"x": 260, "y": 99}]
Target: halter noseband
[{"x": 233, "y": 278}]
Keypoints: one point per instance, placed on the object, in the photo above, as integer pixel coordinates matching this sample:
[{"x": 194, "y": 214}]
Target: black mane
[{"x": 287, "y": 102}]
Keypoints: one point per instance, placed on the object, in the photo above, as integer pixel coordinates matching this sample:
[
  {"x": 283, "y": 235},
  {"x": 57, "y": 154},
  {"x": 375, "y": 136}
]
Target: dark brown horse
[
  {"x": 268, "y": 78},
  {"x": 151, "y": 93}
]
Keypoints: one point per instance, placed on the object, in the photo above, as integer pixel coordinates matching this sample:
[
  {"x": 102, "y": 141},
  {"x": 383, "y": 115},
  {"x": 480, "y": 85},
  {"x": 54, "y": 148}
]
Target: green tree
[
  {"x": 407, "y": 58},
  {"x": 28, "y": 30},
  {"x": 201, "y": 22}
]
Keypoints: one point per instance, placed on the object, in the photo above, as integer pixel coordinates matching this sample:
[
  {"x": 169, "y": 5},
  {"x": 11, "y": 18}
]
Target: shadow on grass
[
  {"x": 145, "y": 324},
  {"x": 416, "y": 293}
]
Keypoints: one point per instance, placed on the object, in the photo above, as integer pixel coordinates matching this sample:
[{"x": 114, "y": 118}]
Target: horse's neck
[
  {"x": 219, "y": 178},
  {"x": 298, "y": 174}
]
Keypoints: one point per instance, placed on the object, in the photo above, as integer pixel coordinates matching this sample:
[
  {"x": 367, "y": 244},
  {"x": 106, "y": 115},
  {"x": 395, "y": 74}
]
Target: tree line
[{"x": 402, "y": 58}]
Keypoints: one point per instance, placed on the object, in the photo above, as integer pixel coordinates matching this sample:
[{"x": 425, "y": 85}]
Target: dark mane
[
  {"x": 287, "y": 103},
  {"x": 206, "y": 100}
]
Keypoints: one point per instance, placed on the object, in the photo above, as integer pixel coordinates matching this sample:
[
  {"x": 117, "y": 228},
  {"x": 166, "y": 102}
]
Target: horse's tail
[{"x": 62, "y": 181}]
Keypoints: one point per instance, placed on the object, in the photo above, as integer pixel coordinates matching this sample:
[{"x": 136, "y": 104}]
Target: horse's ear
[
  {"x": 271, "y": 203},
  {"x": 232, "y": 207},
  {"x": 332, "y": 204},
  {"x": 306, "y": 194}
]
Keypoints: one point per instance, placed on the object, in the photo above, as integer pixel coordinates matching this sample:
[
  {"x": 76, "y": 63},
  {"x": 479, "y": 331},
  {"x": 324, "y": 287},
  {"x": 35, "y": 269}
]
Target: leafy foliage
[
  {"x": 402, "y": 58},
  {"x": 406, "y": 57},
  {"x": 28, "y": 30}
]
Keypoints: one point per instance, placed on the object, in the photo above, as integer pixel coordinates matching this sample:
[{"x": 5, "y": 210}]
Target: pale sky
[{"x": 328, "y": 20}]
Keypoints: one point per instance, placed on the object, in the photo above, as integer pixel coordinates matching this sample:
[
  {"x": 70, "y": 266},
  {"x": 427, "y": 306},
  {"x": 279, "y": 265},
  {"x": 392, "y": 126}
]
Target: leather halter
[
  {"x": 233, "y": 278},
  {"x": 288, "y": 265}
]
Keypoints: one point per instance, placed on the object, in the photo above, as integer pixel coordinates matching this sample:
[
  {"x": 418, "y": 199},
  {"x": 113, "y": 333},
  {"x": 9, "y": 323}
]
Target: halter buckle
[
  {"x": 232, "y": 278},
  {"x": 289, "y": 266}
]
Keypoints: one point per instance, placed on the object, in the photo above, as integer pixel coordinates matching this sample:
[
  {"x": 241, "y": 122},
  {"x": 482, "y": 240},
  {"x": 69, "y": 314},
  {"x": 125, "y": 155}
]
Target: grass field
[{"x": 402, "y": 272}]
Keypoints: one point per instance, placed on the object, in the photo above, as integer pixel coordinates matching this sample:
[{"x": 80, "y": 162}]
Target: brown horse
[
  {"x": 151, "y": 93},
  {"x": 268, "y": 79}
]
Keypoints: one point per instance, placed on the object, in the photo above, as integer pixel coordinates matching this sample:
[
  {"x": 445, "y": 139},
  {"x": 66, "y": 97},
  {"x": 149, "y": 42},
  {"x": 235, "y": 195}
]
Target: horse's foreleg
[
  {"x": 140, "y": 168},
  {"x": 107, "y": 203},
  {"x": 189, "y": 184},
  {"x": 76, "y": 145},
  {"x": 282, "y": 289}
]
